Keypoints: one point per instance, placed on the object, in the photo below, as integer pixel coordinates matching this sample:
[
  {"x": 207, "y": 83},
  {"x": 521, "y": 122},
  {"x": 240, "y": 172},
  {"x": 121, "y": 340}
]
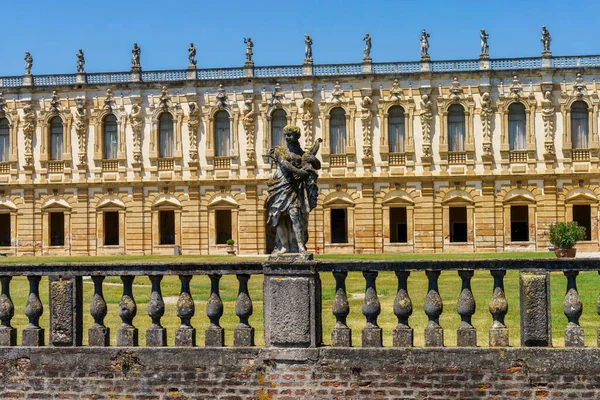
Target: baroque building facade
[{"x": 429, "y": 156}]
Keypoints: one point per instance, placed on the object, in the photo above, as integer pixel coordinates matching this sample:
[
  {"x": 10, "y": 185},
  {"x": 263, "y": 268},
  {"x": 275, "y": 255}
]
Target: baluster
[
  {"x": 243, "y": 334},
  {"x": 403, "y": 333},
  {"x": 8, "y": 334},
  {"x": 156, "y": 335},
  {"x": 214, "y": 334},
  {"x": 127, "y": 334},
  {"x": 185, "y": 335},
  {"x": 371, "y": 333},
  {"x": 98, "y": 334},
  {"x": 573, "y": 307},
  {"x": 33, "y": 335},
  {"x": 466, "y": 335},
  {"x": 434, "y": 333},
  {"x": 498, "y": 306},
  {"x": 341, "y": 335}
]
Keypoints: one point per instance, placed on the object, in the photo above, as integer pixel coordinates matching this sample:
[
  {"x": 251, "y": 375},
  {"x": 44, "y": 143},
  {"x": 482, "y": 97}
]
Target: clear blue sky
[{"x": 106, "y": 30}]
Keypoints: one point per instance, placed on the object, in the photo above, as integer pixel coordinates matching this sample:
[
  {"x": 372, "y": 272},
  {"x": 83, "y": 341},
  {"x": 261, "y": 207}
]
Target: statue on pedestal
[
  {"x": 192, "y": 55},
  {"x": 293, "y": 191},
  {"x": 485, "y": 48},
  {"x": 249, "y": 46},
  {"x": 367, "y": 50},
  {"x": 307, "y": 49},
  {"x": 28, "y": 63},
  {"x": 80, "y": 62},
  {"x": 135, "y": 57},
  {"x": 546, "y": 39},
  {"x": 424, "y": 44}
]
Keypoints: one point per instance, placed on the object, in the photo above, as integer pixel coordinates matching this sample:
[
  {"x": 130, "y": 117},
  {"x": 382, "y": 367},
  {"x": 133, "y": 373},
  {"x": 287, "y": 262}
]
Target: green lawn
[{"x": 482, "y": 283}]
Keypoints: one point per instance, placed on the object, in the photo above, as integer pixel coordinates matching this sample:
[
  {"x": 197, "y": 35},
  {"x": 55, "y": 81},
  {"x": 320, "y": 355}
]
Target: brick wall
[{"x": 286, "y": 374}]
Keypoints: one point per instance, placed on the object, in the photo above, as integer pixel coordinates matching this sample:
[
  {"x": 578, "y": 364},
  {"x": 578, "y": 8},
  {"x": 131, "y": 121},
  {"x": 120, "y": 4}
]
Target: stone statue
[
  {"x": 308, "y": 49},
  {"x": 135, "y": 56},
  {"x": 546, "y": 39},
  {"x": 426, "y": 117},
  {"x": 292, "y": 191},
  {"x": 366, "y": 117},
  {"x": 193, "y": 123},
  {"x": 308, "y": 120},
  {"x": 28, "y": 131},
  {"x": 548, "y": 118},
  {"x": 221, "y": 97},
  {"x": 81, "y": 129},
  {"x": 192, "y": 55},
  {"x": 367, "y": 50},
  {"x": 28, "y": 63},
  {"x": 135, "y": 119},
  {"x": 249, "y": 46},
  {"x": 80, "y": 62},
  {"x": 249, "y": 126},
  {"x": 485, "y": 48},
  {"x": 424, "y": 43}
]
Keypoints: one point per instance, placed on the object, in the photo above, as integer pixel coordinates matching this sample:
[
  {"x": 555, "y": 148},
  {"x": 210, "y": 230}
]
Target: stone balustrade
[
  {"x": 292, "y": 303},
  {"x": 291, "y": 71}
]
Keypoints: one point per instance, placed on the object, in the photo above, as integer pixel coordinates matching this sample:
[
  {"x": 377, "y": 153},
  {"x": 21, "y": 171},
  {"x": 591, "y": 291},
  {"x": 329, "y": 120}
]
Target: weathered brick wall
[{"x": 324, "y": 373}]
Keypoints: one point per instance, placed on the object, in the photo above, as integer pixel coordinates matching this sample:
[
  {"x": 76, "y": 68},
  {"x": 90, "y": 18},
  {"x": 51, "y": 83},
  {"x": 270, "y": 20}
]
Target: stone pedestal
[
  {"x": 80, "y": 78},
  {"x": 136, "y": 74},
  {"x": 191, "y": 72},
  {"x": 243, "y": 336},
  {"x": 185, "y": 337},
  {"x": 8, "y": 336},
  {"x": 127, "y": 336},
  {"x": 402, "y": 337},
  {"x": 214, "y": 336},
  {"x": 367, "y": 65},
  {"x": 434, "y": 336},
  {"x": 292, "y": 302},
  {"x": 498, "y": 337},
  {"x": 546, "y": 59},
  {"x": 33, "y": 337},
  {"x": 66, "y": 310},
  {"x": 156, "y": 337},
  {"x": 99, "y": 336},
  {"x": 249, "y": 69},
  {"x": 27, "y": 80},
  {"x": 536, "y": 324},
  {"x": 307, "y": 68},
  {"x": 466, "y": 337},
  {"x": 372, "y": 337}
]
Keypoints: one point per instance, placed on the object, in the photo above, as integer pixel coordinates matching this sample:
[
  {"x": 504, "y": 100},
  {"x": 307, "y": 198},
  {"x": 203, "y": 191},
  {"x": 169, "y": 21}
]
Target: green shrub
[
  {"x": 564, "y": 235},
  {"x": 230, "y": 242}
]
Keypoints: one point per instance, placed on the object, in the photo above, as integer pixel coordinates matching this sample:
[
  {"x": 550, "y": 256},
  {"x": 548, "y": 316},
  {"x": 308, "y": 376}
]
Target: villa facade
[{"x": 429, "y": 156}]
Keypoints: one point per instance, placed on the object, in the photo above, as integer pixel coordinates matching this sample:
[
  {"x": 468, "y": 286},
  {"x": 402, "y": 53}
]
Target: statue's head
[{"x": 291, "y": 131}]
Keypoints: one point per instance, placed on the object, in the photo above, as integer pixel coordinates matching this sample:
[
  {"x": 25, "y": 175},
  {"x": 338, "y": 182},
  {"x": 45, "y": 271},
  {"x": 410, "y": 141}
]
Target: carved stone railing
[
  {"x": 292, "y": 302},
  {"x": 299, "y": 70}
]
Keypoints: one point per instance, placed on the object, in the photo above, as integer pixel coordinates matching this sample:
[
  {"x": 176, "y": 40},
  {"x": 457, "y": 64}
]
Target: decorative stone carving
[
  {"x": 276, "y": 96},
  {"x": 485, "y": 48},
  {"x": 135, "y": 58},
  {"x": 366, "y": 118},
  {"x": 426, "y": 119},
  {"x": 487, "y": 114},
  {"x": 164, "y": 99},
  {"x": 287, "y": 205},
  {"x": 28, "y": 63},
  {"x": 81, "y": 127},
  {"x": 54, "y": 103},
  {"x": 308, "y": 120},
  {"x": 308, "y": 58},
  {"x": 80, "y": 62},
  {"x": 546, "y": 39},
  {"x": 548, "y": 118},
  {"x": 516, "y": 89},
  {"x": 2, "y": 105},
  {"x": 424, "y": 45},
  {"x": 193, "y": 123},
  {"x": 192, "y": 55},
  {"x": 109, "y": 101},
  {"x": 137, "y": 124},
  {"x": 249, "y": 46},
  {"x": 221, "y": 97},
  {"x": 579, "y": 87},
  {"x": 456, "y": 90},
  {"x": 367, "y": 50},
  {"x": 28, "y": 131},
  {"x": 249, "y": 122},
  {"x": 396, "y": 92},
  {"x": 337, "y": 94}
]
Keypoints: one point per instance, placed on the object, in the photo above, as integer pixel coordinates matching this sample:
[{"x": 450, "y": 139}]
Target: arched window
[
  {"x": 337, "y": 131},
  {"x": 456, "y": 128},
  {"x": 579, "y": 125},
  {"x": 396, "y": 129},
  {"x": 165, "y": 135},
  {"x": 56, "y": 139},
  {"x": 278, "y": 121},
  {"x": 222, "y": 134},
  {"x": 110, "y": 137},
  {"x": 4, "y": 139},
  {"x": 517, "y": 137}
]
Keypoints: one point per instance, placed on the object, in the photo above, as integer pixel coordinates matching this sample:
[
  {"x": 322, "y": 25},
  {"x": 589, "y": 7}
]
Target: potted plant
[
  {"x": 563, "y": 237},
  {"x": 230, "y": 250}
]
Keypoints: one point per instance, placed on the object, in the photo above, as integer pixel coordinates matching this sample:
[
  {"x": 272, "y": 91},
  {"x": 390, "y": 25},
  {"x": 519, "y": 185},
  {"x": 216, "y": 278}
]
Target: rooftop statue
[
  {"x": 546, "y": 38},
  {"x": 292, "y": 192},
  {"x": 424, "y": 43},
  {"x": 28, "y": 63},
  {"x": 367, "y": 50},
  {"x": 192, "y": 54},
  {"x": 80, "y": 62},
  {"x": 308, "y": 48},
  {"x": 249, "y": 46},
  {"x": 135, "y": 56},
  {"x": 485, "y": 48}
]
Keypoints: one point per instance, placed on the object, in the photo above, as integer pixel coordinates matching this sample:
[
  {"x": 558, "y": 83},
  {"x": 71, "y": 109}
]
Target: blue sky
[{"x": 106, "y": 30}]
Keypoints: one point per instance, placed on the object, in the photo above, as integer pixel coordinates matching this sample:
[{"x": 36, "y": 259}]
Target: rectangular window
[
  {"x": 339, "y": 225},
  {"x": 111, "y": 228},
  {"x": 458, "y": 224},
  {"x": 398, "y": 226},
  {"x": 167, "y": 227},
  {"x": 4, "y": 229},
  {"x": 223, "y": 220},
  {"x": 4, "y": 140},
  {"x": 519, "y": 223},
  {"x": 57, "y": 229},
  {"x": 582, "y": 214}
]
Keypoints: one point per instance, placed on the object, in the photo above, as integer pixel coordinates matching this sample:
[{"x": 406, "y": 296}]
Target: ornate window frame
[
  {"x": 164, "y": 167},
  {"x": 221, "y": 166},
  {"x": 50, "y": 205},
  {"x": 338, "y": 199},
  {"x": 57, "y": 108},
  {"x": 520, "y": 197},
  {"x": 165, "y": 202},
  {"x": 98, "y": 117},
  {"x": 110, "y": 203},
  {"x": 390, "y": 98},
  {"x": 566, "y": 100},
  {"x": 222, "y": 201},
  {"x": 398, "y": 199},
  {"x": 9, "y": 168},
  {"x": 278, "y": 101}
]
